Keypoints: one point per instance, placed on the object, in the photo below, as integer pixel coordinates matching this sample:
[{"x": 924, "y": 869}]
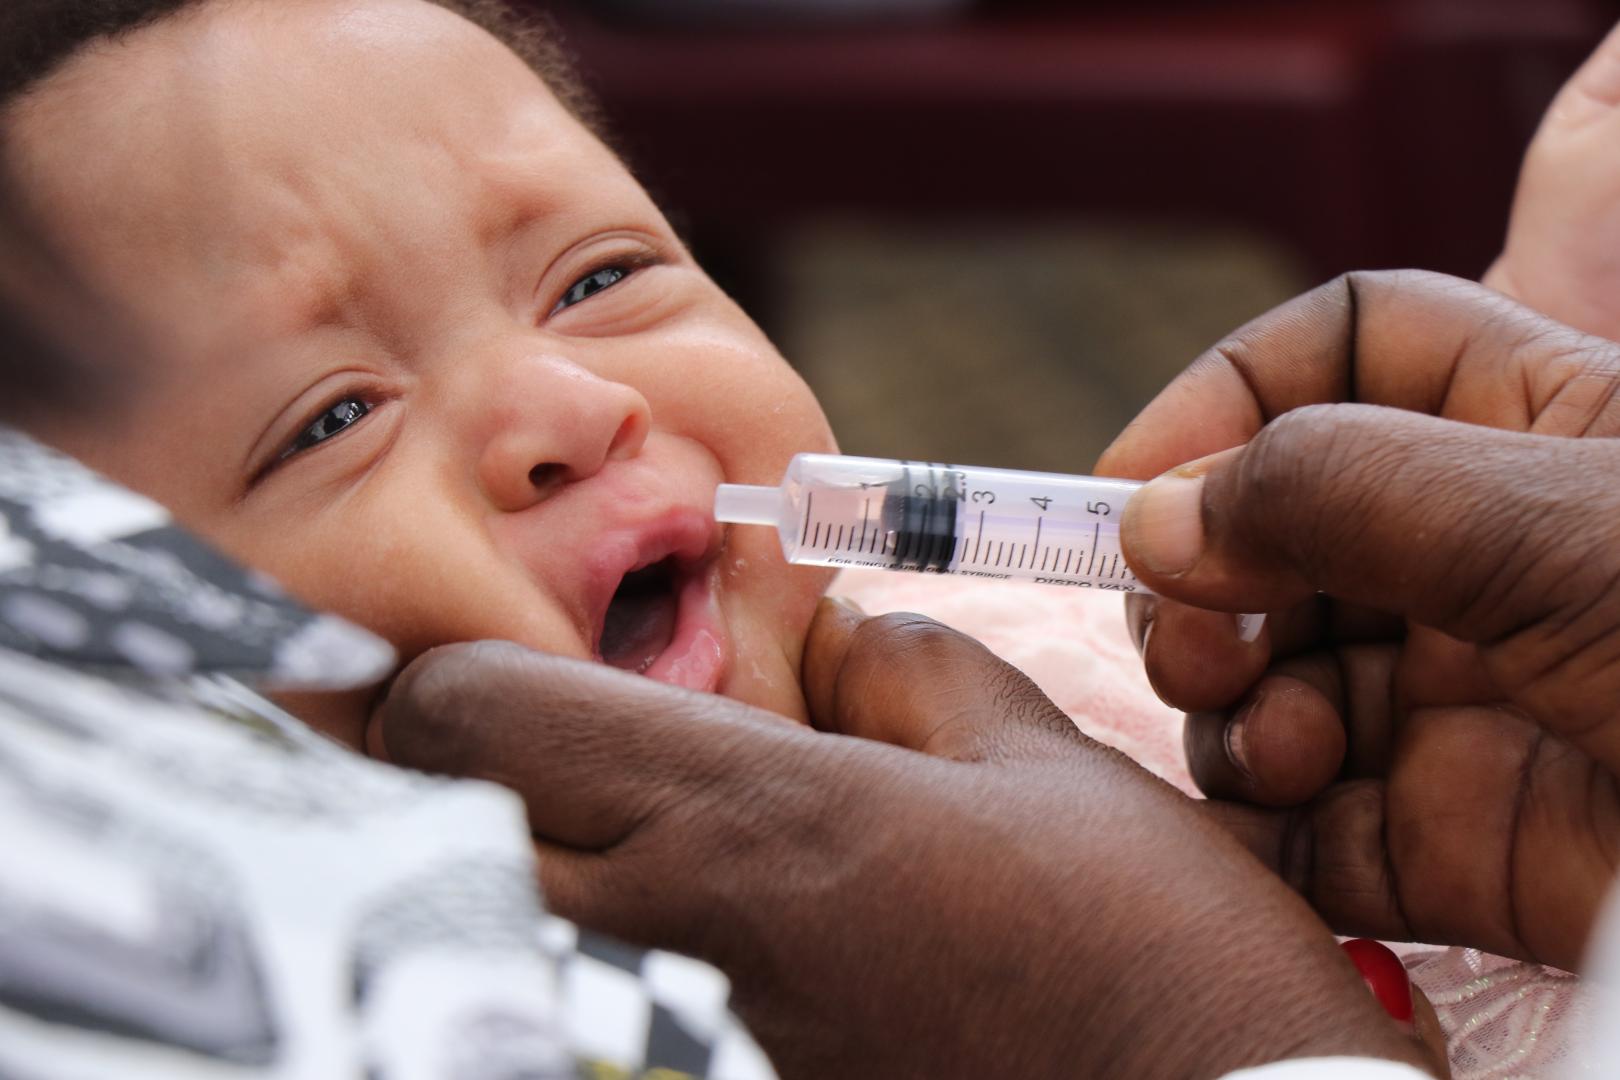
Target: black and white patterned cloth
[{"x": 195, "y": 885}]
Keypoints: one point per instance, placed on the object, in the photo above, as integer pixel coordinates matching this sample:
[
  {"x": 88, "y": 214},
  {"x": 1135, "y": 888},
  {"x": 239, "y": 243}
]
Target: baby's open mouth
[
  {"x": 664, "y": 622},
  {"x": 641, "y": 617},
  {"x": 662, "y": 617}
]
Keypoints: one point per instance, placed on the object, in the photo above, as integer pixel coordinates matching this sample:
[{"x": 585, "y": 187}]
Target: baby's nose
[{"x": 561, "y": 425}]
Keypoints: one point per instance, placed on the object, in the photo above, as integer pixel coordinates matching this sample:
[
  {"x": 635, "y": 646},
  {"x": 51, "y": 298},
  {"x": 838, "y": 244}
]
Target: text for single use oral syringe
[{"x": 943, "y": 519}]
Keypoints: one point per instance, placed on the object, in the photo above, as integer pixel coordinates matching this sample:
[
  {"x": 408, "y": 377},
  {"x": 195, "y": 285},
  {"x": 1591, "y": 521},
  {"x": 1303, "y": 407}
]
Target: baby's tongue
[{"x": 640, "y": 621}]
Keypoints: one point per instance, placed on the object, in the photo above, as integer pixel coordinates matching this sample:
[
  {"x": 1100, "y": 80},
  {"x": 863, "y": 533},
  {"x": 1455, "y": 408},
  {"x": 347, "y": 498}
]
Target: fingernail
[
  {"x": 1235, "y": 727},
  {"x": 1249, "y": 627},
  {"x": 1142, "y": 610},
  {"x": 1165, "y": 523},
  {"x": 848, "y": 605},
  {"x": 1384, "y": 975}
]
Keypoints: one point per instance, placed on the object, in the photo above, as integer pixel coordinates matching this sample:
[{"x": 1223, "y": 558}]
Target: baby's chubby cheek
[{"x": 768, "y": 606}]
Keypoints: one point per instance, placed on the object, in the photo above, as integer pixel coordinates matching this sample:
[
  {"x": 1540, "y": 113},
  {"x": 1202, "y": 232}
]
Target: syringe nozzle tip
[{"x": 748, "y": 504}]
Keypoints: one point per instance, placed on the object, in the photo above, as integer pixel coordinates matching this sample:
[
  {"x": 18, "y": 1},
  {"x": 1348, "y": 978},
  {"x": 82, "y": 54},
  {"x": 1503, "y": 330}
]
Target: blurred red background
[
  {"x": 1361, "y": 132},
  {"x": 1337, "y": 134}
]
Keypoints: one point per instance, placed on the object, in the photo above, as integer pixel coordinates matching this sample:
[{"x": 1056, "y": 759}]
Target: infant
[{"x": 419, "y": 344}]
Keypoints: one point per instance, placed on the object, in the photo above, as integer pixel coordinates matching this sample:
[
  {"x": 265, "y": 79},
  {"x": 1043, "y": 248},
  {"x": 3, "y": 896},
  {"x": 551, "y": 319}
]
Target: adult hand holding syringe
[{"x": 1416, "y": 476}]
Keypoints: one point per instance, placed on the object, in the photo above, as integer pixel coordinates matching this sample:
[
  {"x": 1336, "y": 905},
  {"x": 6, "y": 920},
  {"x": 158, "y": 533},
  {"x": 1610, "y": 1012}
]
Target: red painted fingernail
[{"x": 1384, "y": 975}]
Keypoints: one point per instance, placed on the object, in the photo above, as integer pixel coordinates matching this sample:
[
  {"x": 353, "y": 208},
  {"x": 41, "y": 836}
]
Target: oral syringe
[
  {"x": 942, "y": 519},
  {"x": 1002, "y": 524}
]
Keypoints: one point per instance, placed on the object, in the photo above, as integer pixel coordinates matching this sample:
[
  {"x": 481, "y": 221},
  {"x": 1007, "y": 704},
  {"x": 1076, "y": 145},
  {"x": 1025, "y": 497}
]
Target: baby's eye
[
  {"x": 591, "y": 284},
  {"x": 333, "y": 421}
]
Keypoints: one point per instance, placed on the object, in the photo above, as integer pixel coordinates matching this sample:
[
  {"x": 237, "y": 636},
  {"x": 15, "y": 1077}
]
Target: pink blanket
[{"x": 1502, "y": 1018}]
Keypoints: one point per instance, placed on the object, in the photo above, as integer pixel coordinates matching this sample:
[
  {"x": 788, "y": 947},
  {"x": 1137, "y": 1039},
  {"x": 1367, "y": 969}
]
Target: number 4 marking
[{"x": 1042, "y": 501}]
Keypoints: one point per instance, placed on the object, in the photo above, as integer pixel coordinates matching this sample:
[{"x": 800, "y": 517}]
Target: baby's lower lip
[{"x": 698, "y": 650}]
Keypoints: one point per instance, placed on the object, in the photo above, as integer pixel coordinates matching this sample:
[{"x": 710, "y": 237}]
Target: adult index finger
[
  {"x": 663, "y": 817},
  {"x": 907, "y": 680}
]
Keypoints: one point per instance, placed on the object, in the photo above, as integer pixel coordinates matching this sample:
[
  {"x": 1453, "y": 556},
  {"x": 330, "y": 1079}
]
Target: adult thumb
[{"x": 1475, "y": 531}]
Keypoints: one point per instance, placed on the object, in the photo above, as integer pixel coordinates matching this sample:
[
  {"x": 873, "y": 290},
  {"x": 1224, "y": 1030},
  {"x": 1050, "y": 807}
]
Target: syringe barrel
[{"x": 955, "y": 519}]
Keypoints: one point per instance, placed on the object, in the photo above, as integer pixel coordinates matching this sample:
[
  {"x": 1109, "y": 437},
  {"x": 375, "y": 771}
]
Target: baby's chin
[
  {"x": 770, "y": 686},
  {"x": 768, "y": 681},
  {"x": 769, "y": 638},
  {"x": 735, "y": 650}
]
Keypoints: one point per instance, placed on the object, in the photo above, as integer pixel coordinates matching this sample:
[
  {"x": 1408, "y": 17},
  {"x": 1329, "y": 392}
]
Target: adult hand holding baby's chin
[
  {"x": 994, "y": 895},
  {"x": 1440, "y": 722}
]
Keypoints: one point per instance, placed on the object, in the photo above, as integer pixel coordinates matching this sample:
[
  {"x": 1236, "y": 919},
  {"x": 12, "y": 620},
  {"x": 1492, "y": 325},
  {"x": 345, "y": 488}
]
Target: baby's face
[{"x": 424, "y": 350}]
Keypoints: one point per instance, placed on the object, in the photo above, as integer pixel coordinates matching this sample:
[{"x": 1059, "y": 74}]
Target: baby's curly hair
[{"x": 39, "y": 36}]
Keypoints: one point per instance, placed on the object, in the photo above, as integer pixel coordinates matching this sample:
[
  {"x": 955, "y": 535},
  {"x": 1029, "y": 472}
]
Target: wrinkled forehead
[
  {"x": 275, "y": 83},
  {"x": 216, "y": 134}
]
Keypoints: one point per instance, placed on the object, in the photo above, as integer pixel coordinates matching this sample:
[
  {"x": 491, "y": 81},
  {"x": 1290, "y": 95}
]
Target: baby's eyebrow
[
  {"x": 512, "y": 198},
  {"x": 300, "y": 287},
  {"x": 510, "y": 226},
  {"x": 283, "y": 342},
  {"x": 287, "y": 302}
]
